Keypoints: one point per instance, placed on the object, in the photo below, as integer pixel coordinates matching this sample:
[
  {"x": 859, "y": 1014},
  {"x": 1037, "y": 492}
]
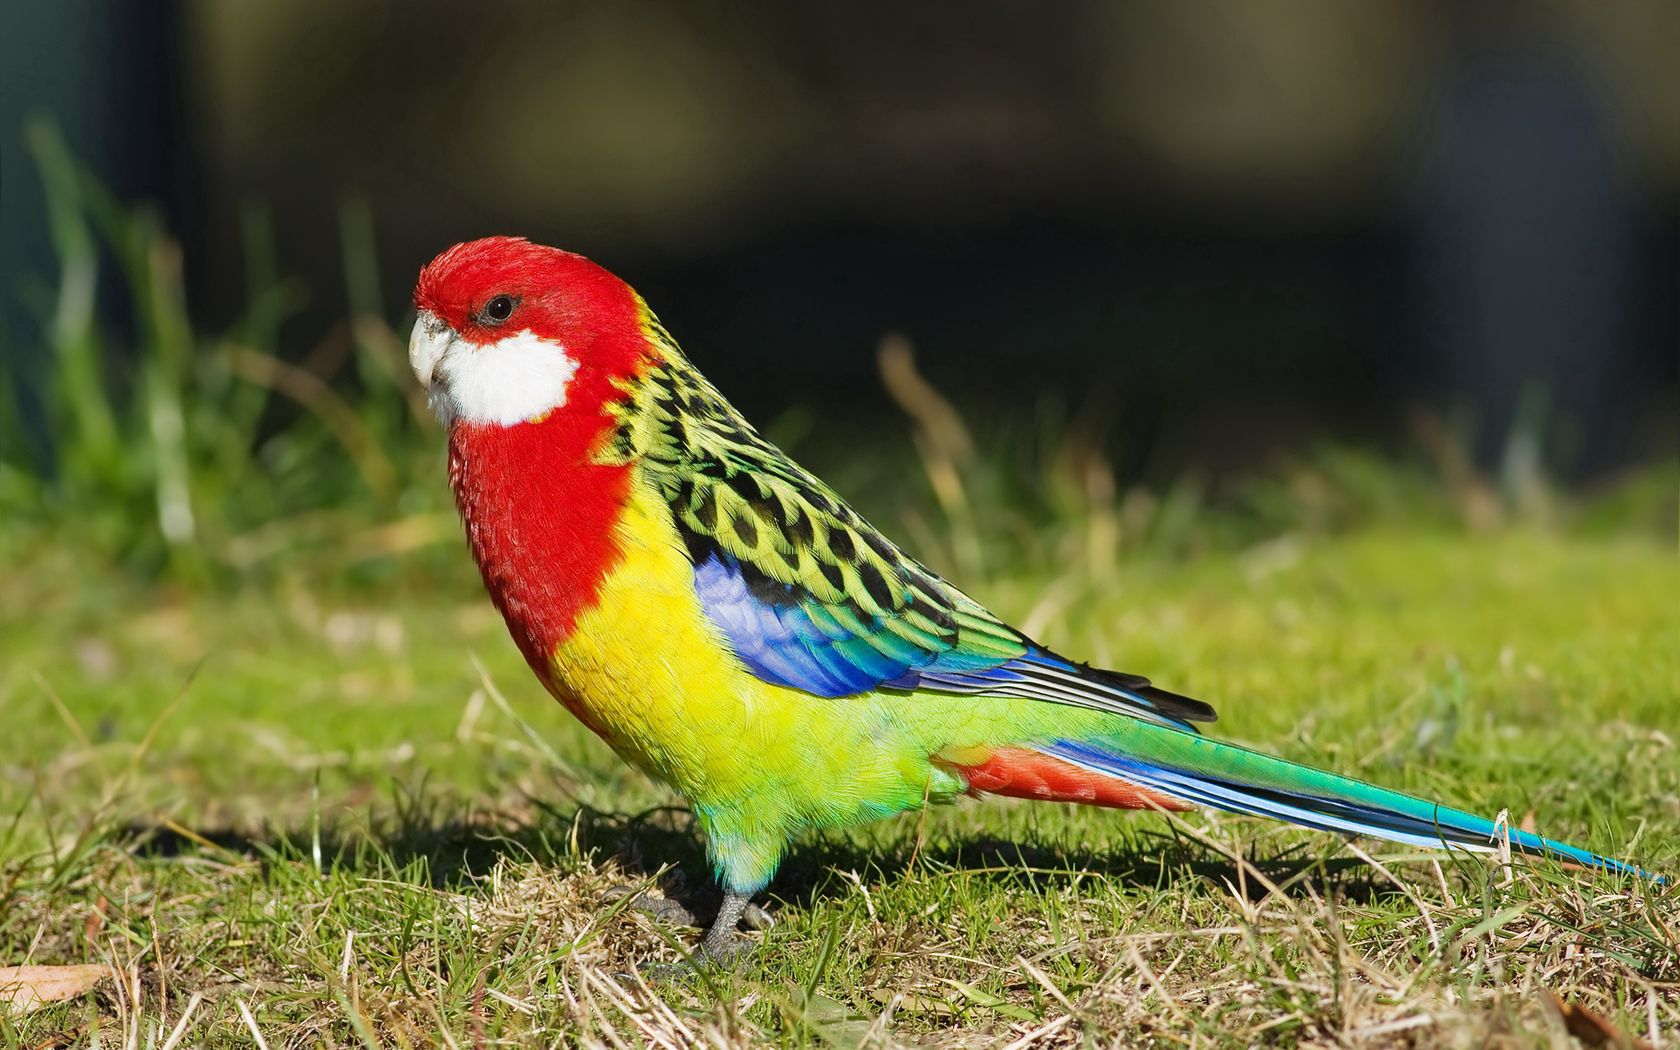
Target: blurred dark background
[{"x": 1222, "y": 228}]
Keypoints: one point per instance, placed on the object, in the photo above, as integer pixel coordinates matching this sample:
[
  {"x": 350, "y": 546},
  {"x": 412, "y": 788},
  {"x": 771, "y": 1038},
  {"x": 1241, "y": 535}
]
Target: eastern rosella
[{"x": 732, "y": 628}]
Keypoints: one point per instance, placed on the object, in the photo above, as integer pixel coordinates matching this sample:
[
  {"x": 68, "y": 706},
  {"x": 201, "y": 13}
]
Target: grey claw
[
  {"x": 756, "y": 918},
  {"x": 662, "y": 908},
  {"x": 707, "y": 956}
]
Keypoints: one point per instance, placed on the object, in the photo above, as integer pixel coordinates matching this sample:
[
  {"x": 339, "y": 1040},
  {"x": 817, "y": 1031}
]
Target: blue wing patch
[
  {"x": 832, "y": 651},
  {"x": 802, "y": 645}
]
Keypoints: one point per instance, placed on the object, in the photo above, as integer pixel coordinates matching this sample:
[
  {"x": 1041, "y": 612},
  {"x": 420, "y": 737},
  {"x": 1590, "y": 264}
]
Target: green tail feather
[{"x": 1238, "y": 780}]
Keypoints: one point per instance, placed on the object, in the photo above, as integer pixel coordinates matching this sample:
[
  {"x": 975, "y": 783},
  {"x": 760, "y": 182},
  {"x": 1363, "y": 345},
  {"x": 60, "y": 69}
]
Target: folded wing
[{"x": 812, "y": 597}]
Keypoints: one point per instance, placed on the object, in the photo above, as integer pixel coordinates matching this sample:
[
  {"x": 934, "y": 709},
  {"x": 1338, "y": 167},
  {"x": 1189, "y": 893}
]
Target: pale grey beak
[{"x": 427, "y": 345}]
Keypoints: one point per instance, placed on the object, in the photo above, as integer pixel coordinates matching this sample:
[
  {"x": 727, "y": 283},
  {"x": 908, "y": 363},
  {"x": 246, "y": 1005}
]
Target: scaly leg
[{"x": 722, "y": 946}]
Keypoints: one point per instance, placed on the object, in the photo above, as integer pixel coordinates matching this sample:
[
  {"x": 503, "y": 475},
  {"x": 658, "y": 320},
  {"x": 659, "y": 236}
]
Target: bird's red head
[{"x": 510, "y": 332}]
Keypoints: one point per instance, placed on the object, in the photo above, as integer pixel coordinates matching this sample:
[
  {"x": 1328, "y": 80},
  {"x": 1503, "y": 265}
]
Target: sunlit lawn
[{"x": 353, "y": 811}]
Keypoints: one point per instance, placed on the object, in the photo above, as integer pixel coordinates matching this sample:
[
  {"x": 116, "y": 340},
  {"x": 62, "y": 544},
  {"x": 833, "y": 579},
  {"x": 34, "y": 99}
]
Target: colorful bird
[{"x": 732, "y": 628}]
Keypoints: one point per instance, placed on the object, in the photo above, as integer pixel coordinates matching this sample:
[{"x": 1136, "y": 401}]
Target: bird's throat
[{"x": 540, "y": 513}]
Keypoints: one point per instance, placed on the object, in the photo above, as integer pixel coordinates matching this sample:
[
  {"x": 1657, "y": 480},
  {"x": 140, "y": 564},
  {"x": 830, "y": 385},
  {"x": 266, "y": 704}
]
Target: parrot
[{"x": 731, "y": 627}]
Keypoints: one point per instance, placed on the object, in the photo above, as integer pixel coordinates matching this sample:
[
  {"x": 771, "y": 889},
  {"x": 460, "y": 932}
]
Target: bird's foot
[
  {"x": 722, "y": 948},
  {"x": 708, "y": 957},
  {"x": 675, "y": 912},
  {"x": 756, "y": 918},
  {"x": 662, "y": 908}
]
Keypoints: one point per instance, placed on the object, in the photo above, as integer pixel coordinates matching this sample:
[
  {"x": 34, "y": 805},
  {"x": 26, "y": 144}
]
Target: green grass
[{"x": 309, "y": 799}]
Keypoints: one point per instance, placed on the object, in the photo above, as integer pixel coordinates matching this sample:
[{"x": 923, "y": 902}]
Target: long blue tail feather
[{"x": 1239, "y": 780}]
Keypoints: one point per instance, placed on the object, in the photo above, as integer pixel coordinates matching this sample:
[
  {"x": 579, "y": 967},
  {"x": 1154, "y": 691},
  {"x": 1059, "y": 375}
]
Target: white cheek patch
[{"x": 509, "y": 381}]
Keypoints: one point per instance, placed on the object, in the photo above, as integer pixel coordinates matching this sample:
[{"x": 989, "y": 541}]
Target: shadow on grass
[{"x": 427, "y": 839}]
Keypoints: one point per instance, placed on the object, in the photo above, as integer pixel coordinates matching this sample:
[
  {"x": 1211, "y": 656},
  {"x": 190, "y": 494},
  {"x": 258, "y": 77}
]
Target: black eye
[{"x": 498, "y": 309}]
